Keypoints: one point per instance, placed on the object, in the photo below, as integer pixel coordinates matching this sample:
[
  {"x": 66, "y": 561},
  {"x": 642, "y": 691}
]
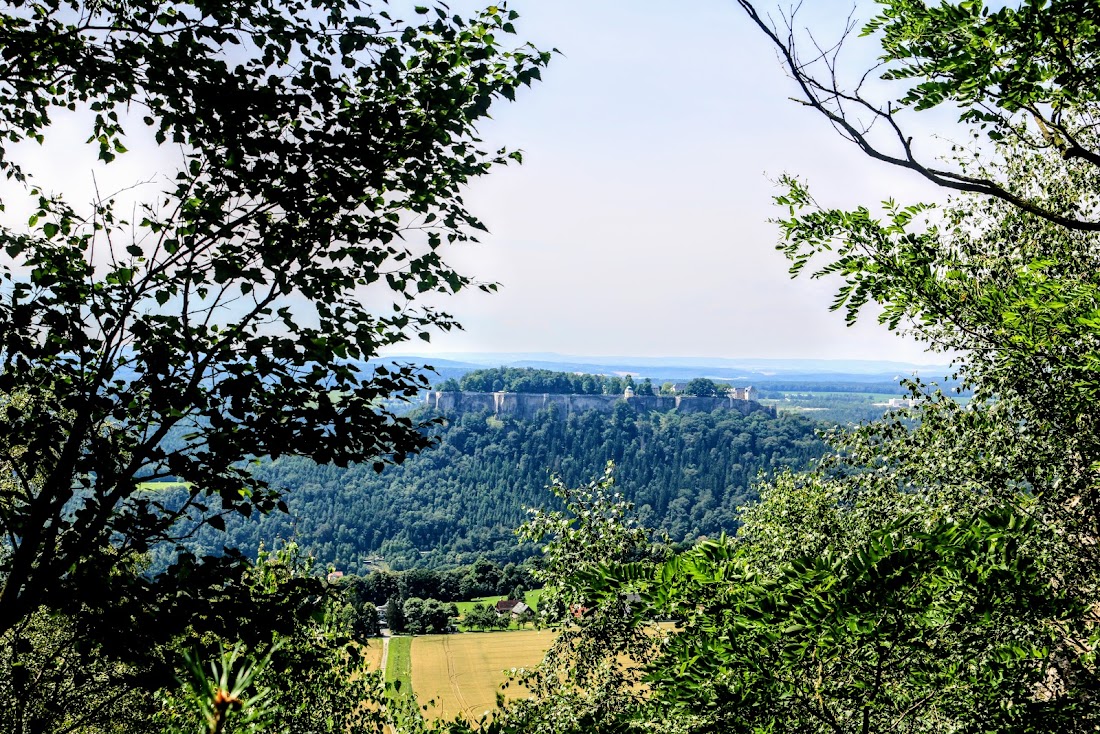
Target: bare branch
[{"x": 820, "y": 95}]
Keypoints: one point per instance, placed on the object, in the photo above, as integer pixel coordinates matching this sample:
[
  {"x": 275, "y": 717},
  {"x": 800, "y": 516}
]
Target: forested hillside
[
  {"x": 530, "y": 380},
  {"x": 687, "y": 474}
]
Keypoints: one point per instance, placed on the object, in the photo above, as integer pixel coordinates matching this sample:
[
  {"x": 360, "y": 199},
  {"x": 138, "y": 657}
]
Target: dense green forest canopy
[
  {"x": 530, "y": 380},
  {"x": 481, "y": 578},
  {"x": 534, "y": 380},
  {"x": 687, "y": 473}
]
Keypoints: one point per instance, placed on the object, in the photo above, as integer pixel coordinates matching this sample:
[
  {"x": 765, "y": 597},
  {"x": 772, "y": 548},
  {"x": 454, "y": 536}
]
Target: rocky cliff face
[{"x": 526, "y": 405}]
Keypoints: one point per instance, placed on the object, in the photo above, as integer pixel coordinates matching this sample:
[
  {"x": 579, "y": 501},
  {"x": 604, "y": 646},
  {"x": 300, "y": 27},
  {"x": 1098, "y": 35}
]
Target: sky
[{"x": 638, "y": 223}]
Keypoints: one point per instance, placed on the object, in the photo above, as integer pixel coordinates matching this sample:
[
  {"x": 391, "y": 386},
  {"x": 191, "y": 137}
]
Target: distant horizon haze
[{"x": 744, "y": 370}]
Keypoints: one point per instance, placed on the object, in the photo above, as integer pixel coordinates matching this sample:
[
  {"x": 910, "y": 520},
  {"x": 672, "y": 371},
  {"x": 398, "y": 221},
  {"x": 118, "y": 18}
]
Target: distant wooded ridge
[
  {"x": 540, "y": 381},
  {"x": 688, "y": 473},
  {"x": 592, "y": 379},
  {"x": 804, "y": 374}
]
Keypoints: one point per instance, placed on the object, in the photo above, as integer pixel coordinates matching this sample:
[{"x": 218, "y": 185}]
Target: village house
[{"x": 511, "y": 607}]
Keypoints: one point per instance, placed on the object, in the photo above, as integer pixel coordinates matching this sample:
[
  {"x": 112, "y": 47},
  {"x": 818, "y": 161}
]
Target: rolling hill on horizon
[{"x": 807, "y": 374}]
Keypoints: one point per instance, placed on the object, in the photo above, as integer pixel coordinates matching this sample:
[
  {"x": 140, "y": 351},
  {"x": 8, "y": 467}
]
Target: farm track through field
[{"x": 453, "y": 677}]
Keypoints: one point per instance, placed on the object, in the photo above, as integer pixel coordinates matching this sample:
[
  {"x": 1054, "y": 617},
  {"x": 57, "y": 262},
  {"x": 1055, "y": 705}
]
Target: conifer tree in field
[{"x": 395, "y": 616}]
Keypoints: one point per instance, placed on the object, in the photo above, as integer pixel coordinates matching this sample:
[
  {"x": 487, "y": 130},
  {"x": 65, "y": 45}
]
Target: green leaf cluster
[{"x": 322, "y": 150}]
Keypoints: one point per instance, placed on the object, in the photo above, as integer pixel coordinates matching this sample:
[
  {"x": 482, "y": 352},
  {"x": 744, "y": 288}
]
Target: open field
[
  {"x": 531, "y": 598},
  {"x": 462, "y": 673},
  {"x": 464, "y": 607},
  {"x": 399, "y": 663},
  {"x": 162, "y": 486},
  {"x": 372, "y": 651}
]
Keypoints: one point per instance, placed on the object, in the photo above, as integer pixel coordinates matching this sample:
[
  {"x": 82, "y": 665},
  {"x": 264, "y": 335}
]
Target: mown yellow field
[
  {"x": 463, "y": 672},
  {"x": 372, "y": 651}
]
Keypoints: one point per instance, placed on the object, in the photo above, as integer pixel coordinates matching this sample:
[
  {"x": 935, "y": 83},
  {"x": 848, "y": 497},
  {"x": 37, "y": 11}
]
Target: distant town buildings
[{"x": 901, "y": 403}]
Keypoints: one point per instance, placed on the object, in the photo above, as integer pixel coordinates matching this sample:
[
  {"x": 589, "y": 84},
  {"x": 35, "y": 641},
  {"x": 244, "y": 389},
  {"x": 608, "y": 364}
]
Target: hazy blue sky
[{"x": 638, "y": 224}]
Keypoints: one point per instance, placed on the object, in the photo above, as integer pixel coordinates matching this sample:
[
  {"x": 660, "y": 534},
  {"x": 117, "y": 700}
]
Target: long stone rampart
[{"x": 526, "y": 405}]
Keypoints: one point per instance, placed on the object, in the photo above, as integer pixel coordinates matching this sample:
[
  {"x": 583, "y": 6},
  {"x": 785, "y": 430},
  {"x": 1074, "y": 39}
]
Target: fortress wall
[
  {"x": 582, "y": 403},
  {"x": 461, "y": 402},
  {"x": 526, "y": 405}
]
